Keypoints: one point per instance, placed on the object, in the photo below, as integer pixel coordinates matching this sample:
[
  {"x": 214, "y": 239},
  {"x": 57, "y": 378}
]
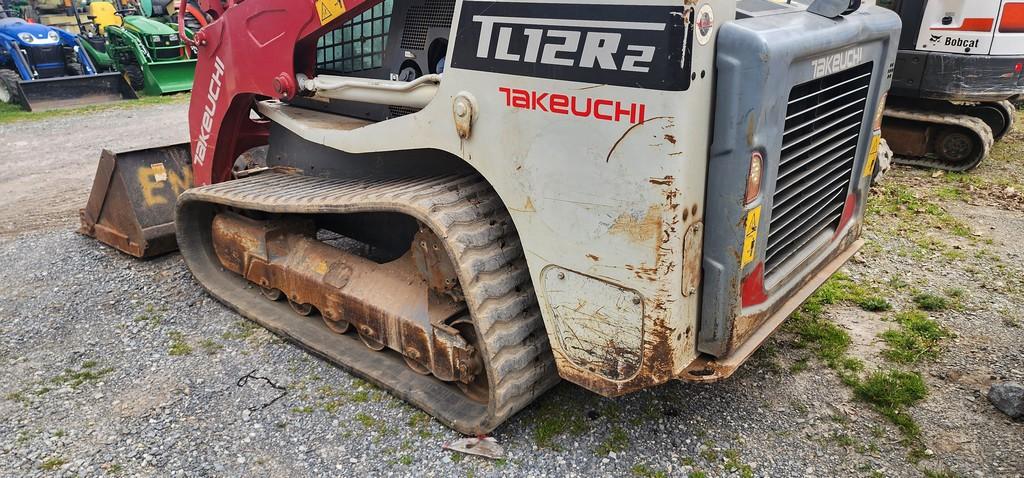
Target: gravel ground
[{"x": 115, "y": 367}]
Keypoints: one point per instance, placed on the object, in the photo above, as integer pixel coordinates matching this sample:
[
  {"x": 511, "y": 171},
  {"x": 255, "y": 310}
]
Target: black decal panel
[{"x": 638, "y": 46}]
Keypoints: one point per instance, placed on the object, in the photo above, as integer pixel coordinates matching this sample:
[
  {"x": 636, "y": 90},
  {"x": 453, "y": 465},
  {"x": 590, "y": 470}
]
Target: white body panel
[
  {"x": 630, "y": 231},
  {"x": 973, "y": 30},
  {"x": 1007, "y": 43}
]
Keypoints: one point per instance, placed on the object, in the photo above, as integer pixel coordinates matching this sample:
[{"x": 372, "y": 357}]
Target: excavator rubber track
[
  {"x": 918, "y": 147},
  {"x": 472, "y": 223},
  {"x": 1010, "y": 113}
]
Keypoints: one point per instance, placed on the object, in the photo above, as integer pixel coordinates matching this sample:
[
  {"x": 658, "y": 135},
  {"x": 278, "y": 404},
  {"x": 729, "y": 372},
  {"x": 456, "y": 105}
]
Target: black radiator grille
[
  {"x": 167, "y": 53},
  {"x": 819, "y": 147},
  {"x": 48, "y": 61}
]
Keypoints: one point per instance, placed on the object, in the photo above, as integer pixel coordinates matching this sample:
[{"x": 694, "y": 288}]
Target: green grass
[
  {"x": 555, "y": 417},
  {"x": 819, "y": 335},
  {"x": 12, "y": 113},
  {"x": 617, "y": 441},
  {"x": 16, "y": 396},
  {"x": 365, "y": 419},
  {"x": 210, "y": 346},
  {"x": 918, "y": 338},
  {"x": 52, "y": 463},
  {"x": 890, "y": 392},
  {"x": 734, "y": 465},
  {"x": 646, "y": 472},
  {"x": 150, "y": 315},
  {"x": 178, "y": 346},
  {"x": 75, "y": 378},
  {"x": 799, "y": 365},
  {"x": 240, "y": 330},
  {"x": 931, "y": 302},
  {"x": 914, "y": 212},
  {"x": 841, "y": 288}
]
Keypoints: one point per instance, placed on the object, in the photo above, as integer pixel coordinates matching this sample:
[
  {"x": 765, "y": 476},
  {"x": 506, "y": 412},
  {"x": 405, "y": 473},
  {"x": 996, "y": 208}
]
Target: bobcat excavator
[
  {"x": 465, "y": 201},
  {"x": 959, "y": 66}
]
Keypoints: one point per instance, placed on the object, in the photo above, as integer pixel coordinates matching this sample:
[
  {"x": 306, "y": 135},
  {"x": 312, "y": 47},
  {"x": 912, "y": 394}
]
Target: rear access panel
[
  {"x": 600, "y": 326},
  {"x": 800, "y": 90}
]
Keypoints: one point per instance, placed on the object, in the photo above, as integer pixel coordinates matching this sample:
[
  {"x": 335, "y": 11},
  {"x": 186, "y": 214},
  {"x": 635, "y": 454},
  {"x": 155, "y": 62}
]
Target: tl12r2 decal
[{"x": 639, "y": 46}]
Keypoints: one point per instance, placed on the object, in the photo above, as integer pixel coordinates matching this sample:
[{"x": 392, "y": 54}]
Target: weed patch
[
  {"x": 75, "y": 378},
  {"x": 644, "y": 471},
  {"x": 931, "y": 302},
  {"x": 918, "y": 338},
  {"x": 616, "y": 442},
  {"x": 52, "y": 463},
  {"x": 890, "y": 392},
  {"x": 554, "y": 418},
  {"x": 178, "y": 345}
]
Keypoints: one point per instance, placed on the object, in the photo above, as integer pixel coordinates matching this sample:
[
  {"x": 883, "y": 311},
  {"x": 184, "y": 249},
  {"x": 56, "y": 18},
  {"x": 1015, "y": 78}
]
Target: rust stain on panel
[
  {"x": 664, "y": 181},
  {"x": 639, "y": 229}
]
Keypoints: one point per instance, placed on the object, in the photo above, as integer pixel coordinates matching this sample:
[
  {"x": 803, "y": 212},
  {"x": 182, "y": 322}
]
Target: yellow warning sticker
[
  {"x": 750, "y": 238},
  {"x": 329, "y": 10},
  {"x": 869, "y": 165}
]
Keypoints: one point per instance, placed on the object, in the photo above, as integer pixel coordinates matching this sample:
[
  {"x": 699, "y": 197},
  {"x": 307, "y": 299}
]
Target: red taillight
[{"x": 1012, "y": 19}]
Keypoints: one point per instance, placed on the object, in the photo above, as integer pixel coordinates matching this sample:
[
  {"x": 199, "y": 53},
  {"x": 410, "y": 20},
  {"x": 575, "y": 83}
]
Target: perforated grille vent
[
  {"x": 819, "y": 146},
  {"x": 433, "y": 14}
]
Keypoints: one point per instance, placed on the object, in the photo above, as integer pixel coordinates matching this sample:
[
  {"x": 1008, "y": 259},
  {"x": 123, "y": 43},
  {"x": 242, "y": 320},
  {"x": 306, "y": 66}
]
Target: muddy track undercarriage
[
  {"x": 953, "y": 137},
  {"x": 951, "y": 142},
  {"x": 450, "y": 324}
]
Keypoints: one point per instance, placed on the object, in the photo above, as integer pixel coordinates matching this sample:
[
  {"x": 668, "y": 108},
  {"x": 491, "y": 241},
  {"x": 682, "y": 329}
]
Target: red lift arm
[{"x": 252, "y": 49}]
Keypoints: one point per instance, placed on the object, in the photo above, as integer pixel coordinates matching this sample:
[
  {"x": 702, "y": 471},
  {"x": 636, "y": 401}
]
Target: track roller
[{"x": 454, "y": 316}]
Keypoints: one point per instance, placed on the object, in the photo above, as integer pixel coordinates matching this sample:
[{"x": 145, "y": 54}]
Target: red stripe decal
[{"x": 971, "y": 25}]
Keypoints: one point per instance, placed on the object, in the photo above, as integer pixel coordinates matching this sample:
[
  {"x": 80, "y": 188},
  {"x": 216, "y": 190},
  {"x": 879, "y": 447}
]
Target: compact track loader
[{"x": 465, "y": 201}]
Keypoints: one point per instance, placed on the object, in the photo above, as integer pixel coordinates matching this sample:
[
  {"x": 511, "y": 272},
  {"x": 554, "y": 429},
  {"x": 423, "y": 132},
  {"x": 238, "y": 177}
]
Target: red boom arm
[{"x": 251, "y": 49}]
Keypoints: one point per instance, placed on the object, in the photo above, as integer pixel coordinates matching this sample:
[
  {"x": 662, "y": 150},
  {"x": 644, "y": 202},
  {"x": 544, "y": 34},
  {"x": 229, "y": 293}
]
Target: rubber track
[
  {"x": 471, "y": 220},
  {"x": 1011, "y": 111},
  {"x": 969, "y": 122}
]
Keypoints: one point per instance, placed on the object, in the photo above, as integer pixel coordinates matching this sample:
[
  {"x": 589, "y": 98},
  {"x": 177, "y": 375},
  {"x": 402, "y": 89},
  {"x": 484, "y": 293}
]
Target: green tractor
[{"x": 147, "y": 51}]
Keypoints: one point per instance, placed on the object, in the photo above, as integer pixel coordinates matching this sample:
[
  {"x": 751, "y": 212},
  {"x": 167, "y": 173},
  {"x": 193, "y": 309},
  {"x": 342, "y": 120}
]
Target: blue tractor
[{"x": 45, "y": 68}]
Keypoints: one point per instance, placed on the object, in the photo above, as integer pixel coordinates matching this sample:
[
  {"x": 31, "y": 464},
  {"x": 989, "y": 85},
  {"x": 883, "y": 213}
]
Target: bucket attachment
[
  {"x": 169, "y": 76},
  {"x": 70, "y": 91},
  {"x": 131, "y": 206}
]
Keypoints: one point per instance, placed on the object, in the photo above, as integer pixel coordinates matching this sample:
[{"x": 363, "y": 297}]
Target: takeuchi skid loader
[{"x": 466, "y": 200}]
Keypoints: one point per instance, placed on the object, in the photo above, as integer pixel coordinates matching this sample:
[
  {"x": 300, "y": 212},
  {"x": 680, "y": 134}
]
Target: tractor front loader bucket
[
  {"x": 131, "y": 206},
  {"x": 169, "y": 76},
  {"x": 70, "y": 91}
]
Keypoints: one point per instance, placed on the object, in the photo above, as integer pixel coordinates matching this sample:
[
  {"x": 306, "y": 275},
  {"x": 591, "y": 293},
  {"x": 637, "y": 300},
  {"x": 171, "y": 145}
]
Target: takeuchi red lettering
[{"x": 584, "y": 107}]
